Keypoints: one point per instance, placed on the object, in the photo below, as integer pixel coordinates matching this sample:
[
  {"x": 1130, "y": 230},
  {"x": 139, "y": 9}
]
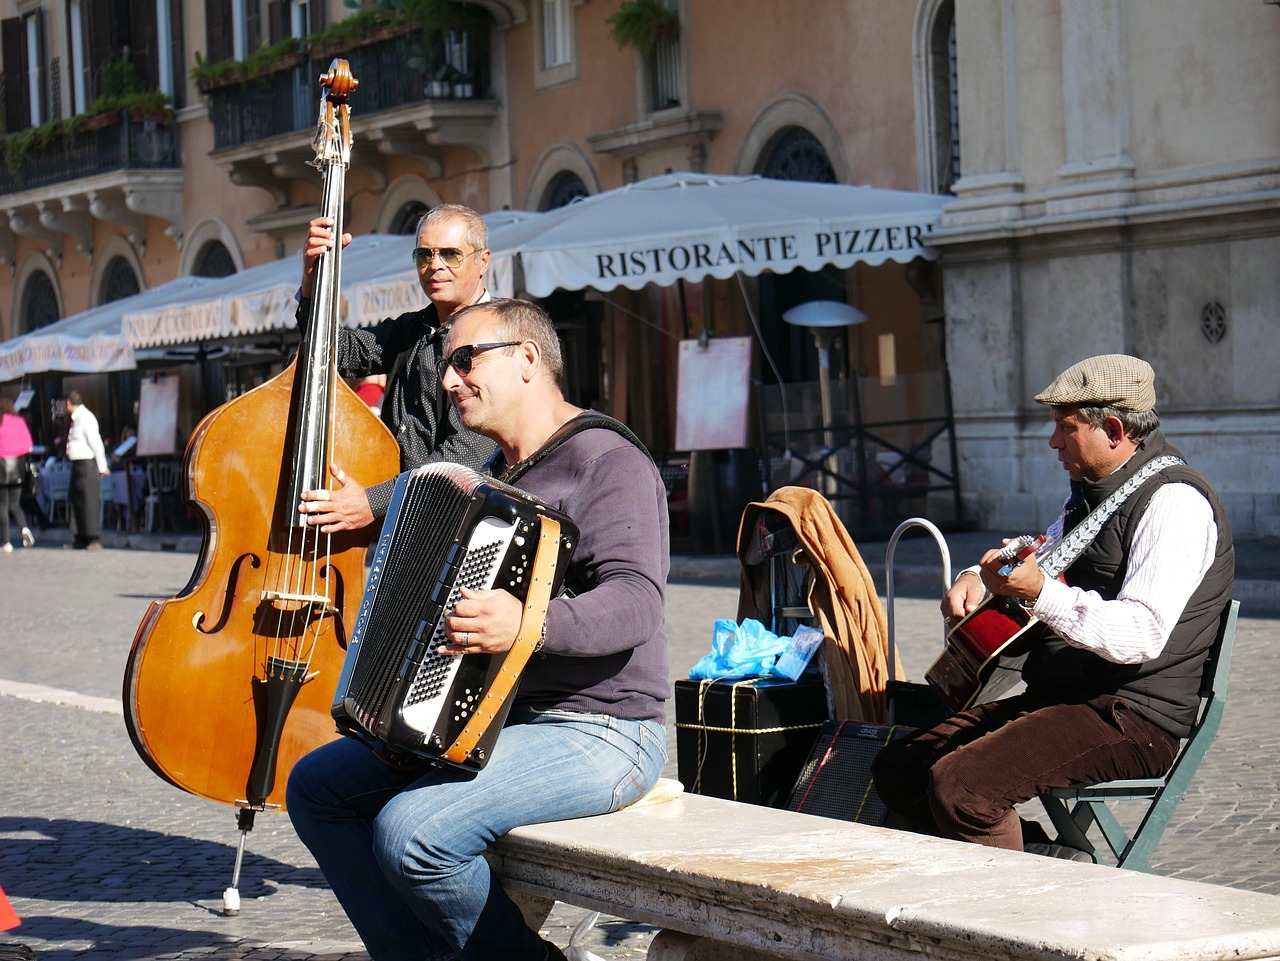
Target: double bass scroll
[{"x": 229, "y": 682}]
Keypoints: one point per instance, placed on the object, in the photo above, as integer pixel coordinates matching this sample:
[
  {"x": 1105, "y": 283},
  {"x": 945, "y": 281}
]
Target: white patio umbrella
[
  {"x": 379, "y": 280},
  {"x": 687, "y": 226},
  {"x": 91, "y": 341}
]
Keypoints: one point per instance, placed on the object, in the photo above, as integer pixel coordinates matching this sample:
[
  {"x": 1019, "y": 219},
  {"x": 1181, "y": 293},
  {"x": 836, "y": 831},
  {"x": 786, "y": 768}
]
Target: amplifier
[
  {"x": 835, "y": 781},
  {"x": 746, "y": 739}
]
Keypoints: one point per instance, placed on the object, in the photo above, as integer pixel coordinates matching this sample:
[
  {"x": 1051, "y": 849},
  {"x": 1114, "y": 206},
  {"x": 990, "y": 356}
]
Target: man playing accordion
[{"x": 402, "y": 845}]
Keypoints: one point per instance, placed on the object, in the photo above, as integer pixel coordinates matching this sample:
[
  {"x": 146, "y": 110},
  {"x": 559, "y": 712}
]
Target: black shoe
[
  {"x": 1063, "y": 851},
  {"x": 16, "y": 952}
]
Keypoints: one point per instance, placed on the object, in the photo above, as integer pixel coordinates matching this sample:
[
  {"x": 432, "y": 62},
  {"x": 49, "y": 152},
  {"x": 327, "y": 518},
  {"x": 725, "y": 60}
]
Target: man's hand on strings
[
  {"x": 319, "y": 239},
  {"x": 482, "y": 622},
  {"x": 964, "y": 596},
  {"x": 345, "y": 508}
]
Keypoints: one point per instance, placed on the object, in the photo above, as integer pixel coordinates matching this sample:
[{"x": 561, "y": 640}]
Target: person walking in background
[
  {"x": 15, "y": 445},
  {"x": 88, "y": 463}
]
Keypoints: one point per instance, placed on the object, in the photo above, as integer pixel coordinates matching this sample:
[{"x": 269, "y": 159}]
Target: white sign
[{"x": 711, "y": 394}]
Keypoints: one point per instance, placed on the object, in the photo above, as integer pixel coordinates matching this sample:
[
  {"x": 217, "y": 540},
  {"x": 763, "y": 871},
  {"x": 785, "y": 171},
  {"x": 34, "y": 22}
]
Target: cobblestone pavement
[{"x": 102, "y": 859}]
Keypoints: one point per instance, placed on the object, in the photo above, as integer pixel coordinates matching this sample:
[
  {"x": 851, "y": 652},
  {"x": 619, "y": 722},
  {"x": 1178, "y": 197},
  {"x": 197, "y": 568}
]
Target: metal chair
[
  {"x": 161, "y": 502},
  {"x": 106, "y": 500},
  {"x": 1092, "y": 801},
  {"x": 55, "y": 485}
]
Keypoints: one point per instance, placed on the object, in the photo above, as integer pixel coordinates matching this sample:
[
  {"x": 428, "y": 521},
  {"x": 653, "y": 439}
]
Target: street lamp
[{"x": 826, "y": 318}]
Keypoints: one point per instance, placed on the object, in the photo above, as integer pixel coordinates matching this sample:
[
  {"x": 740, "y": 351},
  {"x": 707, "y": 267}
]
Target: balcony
[
  {"x": 110, "y": 141},
  {"x": 397, "y": 109},
  {"x": 118, "y": 166}
]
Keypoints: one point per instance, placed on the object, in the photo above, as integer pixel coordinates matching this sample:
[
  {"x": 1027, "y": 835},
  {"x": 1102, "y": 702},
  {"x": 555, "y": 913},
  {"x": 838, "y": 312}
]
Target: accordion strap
[
  {"x": 587, "y": 420},
  {"x": 527, "y": 637}
]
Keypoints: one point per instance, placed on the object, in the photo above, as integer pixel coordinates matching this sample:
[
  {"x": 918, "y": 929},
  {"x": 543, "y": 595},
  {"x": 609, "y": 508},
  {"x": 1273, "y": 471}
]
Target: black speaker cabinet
[
  {"x": 746, "y": 740},
  {"x": 836, "y": 779}
]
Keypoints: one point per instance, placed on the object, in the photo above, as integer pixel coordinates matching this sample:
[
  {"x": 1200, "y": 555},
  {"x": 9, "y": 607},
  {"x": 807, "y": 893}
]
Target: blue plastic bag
[{"x": 748, "y": 649}]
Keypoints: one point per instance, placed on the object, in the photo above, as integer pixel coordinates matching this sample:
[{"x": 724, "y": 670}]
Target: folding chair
[{"x": 1092, "y": 800}]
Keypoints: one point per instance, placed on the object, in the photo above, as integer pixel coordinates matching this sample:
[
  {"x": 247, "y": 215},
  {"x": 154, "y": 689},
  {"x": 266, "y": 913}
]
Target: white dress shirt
[
  {"x": 1173, "y": 546},
  {"x": 83, "y": 440}
]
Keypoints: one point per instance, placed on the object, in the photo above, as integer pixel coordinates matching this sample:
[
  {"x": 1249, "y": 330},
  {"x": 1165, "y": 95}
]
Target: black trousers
[
  {"x": 11, "y": 504},
  {"x": 85, "y": 499},
  {"x": 962, "y": 778}
]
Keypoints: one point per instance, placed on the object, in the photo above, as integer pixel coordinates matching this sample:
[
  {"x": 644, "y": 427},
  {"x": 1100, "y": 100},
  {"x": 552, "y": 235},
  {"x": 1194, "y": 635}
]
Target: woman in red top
[{"x": 15, "y": 445}]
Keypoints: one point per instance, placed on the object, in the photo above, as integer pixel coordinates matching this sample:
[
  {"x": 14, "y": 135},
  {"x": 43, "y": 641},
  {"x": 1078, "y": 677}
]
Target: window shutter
[
  {"x": 219, "y": 43},
  {"x": 13, "y": 47}
]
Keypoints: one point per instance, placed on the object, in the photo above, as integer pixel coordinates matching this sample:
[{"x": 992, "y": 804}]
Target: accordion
[{"x": 447, "y": 527}]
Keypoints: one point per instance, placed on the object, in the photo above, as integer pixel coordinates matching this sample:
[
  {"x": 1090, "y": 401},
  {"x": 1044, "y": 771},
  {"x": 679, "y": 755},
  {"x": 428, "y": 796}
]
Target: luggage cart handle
[{"x": 941, "y": 541}]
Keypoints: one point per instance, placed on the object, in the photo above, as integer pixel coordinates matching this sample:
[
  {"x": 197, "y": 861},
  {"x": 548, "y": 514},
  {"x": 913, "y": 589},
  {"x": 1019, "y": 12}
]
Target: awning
[
  {"x": 378, "y": 281},
  {"x": 89, "y": 342},
  {"x": 687, "y": 226}
]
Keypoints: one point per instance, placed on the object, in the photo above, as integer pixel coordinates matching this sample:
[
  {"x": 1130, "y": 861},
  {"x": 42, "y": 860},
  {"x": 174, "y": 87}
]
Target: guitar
[{"x": 968, "y": 669}]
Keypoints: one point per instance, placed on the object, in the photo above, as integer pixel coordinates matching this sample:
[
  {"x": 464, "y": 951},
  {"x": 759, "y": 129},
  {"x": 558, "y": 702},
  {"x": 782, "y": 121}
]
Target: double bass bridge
[{"x": 291, "y": 601}]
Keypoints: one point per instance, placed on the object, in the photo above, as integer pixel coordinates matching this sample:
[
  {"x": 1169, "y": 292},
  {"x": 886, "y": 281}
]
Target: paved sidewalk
[{"x": 102, "y": 859}]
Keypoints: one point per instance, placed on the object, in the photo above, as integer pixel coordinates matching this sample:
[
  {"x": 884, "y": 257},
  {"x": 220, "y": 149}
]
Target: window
[
  {"x": 664, "y": 73},
  {"x": 78, "y": 51},
  {"x": 120, "y": 281},
  {"x": 554, "y": 37},
  {"x": 232, "y": 29},
  {"x": 407, "y": 217},
  {"x": 797, "y": 155},
  {"x": 214, "y": 260},
  {"x": 937, "y": 101},
  {"x": 22, "y": 45},
  {"x": 566, "y": 188},
  {"x": 39, "y": 302}
]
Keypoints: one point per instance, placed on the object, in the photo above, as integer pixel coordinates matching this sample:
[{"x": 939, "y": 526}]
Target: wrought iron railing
[
  {"x": 105, "y": 143},
  {"x": 887, "y": 451},
  {"x": 285, "y": 101}
]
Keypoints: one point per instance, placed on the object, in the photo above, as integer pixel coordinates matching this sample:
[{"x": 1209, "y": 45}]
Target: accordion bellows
[{"x": 447, "y": 527}]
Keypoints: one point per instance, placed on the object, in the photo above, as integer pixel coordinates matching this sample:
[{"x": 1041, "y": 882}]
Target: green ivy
[{"x": 429, "y": 17}]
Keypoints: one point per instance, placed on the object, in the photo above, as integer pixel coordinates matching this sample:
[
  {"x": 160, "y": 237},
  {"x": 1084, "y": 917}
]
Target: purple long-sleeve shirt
[{"x": 605, "y": 649}]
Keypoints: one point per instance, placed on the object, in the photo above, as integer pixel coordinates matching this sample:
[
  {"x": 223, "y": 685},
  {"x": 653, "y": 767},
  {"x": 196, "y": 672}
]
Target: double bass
[{"x": 230, "y": 682}]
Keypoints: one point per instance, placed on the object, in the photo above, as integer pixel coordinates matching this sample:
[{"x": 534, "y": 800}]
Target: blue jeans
[{"x": 402, "y": 846}]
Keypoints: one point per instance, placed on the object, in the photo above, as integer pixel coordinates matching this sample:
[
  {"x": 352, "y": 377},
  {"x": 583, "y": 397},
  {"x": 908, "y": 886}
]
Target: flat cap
[{"x": 1108, "y": 380}]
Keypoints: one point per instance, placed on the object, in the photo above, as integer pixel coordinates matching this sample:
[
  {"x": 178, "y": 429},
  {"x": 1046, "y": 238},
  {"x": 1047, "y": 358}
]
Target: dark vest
[{"x": 1166, "y": 689}]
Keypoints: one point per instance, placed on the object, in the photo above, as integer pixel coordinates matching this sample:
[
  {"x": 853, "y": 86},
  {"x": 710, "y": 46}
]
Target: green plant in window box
[{"x": 640, "y": 24}]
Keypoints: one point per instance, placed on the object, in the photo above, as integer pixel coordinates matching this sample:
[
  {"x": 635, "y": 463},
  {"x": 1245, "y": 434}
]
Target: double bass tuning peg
[{"x": 338, "y": 80}]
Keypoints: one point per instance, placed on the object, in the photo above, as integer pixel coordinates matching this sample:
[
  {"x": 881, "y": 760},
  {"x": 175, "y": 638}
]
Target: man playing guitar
[{"x": 1112, "y": 681}]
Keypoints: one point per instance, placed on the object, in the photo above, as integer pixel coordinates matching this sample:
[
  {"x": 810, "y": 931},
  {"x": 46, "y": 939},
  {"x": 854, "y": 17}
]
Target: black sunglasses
[
  {"x": 451, "y": 257},
  {"x": 461, "y": 358}
]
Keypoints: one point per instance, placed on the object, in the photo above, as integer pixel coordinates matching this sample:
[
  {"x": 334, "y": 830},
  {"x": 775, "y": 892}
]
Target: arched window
[
  {"x": 407, "y": 217},
  {"x": 797, "y": 155},
  {"x": 39, "y": 302},
  {"x": 120, "y": 281},
  {"x": 937, "y": 98},
  {"x": 566, "y": 188},
  {"x": 214, "y": 260}
]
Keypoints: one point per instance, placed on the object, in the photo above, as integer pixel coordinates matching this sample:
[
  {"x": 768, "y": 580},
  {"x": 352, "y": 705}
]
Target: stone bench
[{"x": 726, "y": 880}]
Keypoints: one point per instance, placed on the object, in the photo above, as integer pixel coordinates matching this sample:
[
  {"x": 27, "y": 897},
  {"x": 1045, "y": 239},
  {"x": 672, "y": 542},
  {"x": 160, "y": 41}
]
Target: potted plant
[{"x": 642, "y": 23}]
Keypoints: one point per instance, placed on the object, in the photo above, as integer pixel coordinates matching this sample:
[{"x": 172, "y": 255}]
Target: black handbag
[{"x": 30, "y": 479}]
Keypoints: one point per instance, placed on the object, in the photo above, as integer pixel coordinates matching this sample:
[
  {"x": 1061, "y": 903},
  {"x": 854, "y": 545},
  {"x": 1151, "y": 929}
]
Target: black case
[{"x": 746, "y": 739}]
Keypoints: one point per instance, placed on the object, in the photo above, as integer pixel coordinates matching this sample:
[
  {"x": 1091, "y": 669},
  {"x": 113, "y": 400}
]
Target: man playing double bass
[
  {"x": 1113, "y": 684},
  {"x": 451, "y": 256}
]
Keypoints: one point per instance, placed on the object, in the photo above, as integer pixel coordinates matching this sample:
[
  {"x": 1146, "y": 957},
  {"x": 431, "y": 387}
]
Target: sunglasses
[
  {"x": 451, "y": 257},
  {"x": 462, "y": 357}
]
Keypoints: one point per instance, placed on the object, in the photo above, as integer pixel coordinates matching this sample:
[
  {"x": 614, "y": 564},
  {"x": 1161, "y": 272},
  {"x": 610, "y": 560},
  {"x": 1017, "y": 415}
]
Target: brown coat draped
[{"x": 842, "y": 599}]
